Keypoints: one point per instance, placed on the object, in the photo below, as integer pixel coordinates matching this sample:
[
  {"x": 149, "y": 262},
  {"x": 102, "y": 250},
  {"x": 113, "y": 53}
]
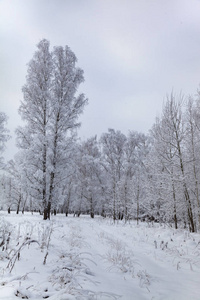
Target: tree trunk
[
  {"x": 125, "y": 203},
  {"x": 68, "y": 200},
  {"x": 196, "y": 183},
  {"x": 103, "y": 212},
  {"x": 190, "y": 214},
  {"x": 18, "y": 204},
  {"x": 44, "y": 160},
  {"x": 44, "y": 200},
  {"x": 91, "y": 208},
  {"x": 175, "y": 214},
  {"x": 174, "y": 200},
  {"x": 45, "y": 213},
  {"x": 114, "y": 203},
  {"x": 138, "y": 206},
  {"x": 49, "y": 210},
  {"x": 186, "y": 193}
]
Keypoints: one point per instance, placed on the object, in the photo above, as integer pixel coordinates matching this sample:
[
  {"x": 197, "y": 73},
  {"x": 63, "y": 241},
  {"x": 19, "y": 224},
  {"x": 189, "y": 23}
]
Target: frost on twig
[
  {"x": 5, "y": 236},
  {"x": 16, "y": 255},
  {"x": 46, "y": 238}
]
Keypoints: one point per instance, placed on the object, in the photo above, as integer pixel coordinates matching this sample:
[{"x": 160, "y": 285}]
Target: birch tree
[
  {"x": 66, "y": 108},
  {"x": 193, "y": 152},
  {"x": 113, "y": 146},
  {"x": 165, "y": 174},
  {"x": 88, "y": 174},
  {"x": 170, "y": 144},
  {"x": 50, "y": 109}
]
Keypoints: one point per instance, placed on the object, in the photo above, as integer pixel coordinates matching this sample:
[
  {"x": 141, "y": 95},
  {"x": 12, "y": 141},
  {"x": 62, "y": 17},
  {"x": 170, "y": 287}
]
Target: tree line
[{"x": 152, "y": 176}]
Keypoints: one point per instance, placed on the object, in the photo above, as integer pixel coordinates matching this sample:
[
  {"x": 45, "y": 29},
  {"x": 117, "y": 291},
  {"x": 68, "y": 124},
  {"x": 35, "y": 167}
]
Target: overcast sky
[{"x": 133, "y": 52}]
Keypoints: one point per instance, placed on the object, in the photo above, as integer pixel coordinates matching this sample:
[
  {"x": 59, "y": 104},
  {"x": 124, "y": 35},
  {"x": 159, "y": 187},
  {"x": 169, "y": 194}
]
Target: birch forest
[{"x": 152, "y": 177}]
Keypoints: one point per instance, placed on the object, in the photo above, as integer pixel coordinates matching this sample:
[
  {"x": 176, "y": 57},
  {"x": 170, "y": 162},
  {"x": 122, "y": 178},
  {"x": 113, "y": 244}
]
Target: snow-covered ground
[{"x": 84, "y": 258}]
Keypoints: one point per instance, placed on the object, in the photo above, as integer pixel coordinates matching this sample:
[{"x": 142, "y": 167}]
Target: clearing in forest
[{"x": 84, "y": 258}]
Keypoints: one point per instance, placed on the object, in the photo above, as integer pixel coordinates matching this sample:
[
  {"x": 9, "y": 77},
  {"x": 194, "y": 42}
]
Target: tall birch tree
[{"x": 51, "y": 109}]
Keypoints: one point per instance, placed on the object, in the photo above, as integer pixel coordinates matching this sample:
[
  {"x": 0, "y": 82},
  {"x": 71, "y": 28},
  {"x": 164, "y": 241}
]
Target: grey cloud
[{"x": 132, "y": 53}]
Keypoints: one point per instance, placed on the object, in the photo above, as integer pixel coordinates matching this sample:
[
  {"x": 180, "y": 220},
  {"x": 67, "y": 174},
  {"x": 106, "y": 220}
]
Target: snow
[{"x": 84, "y": 258}]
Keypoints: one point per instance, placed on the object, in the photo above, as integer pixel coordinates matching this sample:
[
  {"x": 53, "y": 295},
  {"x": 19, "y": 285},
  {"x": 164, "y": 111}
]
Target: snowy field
[{"x": 84, "y": 258}]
